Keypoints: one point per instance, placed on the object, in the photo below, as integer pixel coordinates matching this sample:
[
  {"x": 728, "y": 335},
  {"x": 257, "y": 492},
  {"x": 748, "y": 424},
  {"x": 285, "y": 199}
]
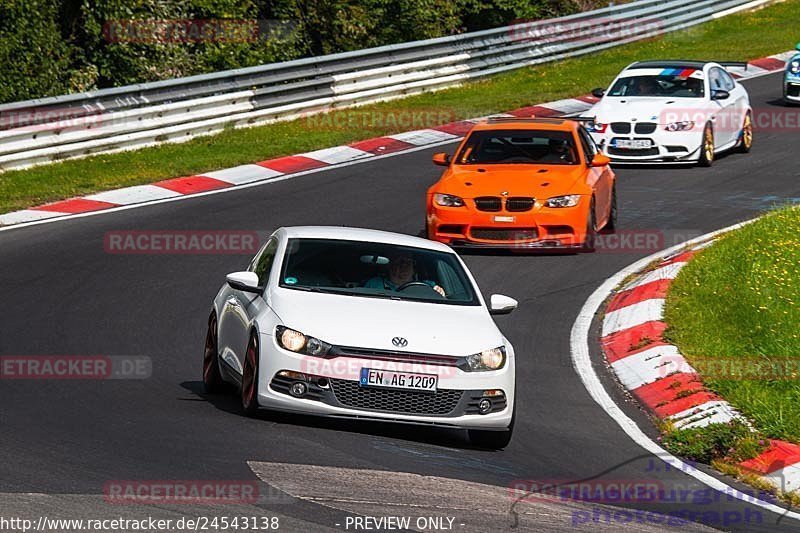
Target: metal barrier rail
[{"x": 122, "y": 118}]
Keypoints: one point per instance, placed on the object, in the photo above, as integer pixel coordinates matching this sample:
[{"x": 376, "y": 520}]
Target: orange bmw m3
[{"x": 537, "y": 183}]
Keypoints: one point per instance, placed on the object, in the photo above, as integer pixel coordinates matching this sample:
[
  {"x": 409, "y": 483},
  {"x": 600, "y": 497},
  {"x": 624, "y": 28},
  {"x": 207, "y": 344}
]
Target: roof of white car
[{"x": 361, "y": 234}]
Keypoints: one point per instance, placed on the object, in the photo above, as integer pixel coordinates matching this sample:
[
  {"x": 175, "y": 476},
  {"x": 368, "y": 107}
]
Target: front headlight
[
  {"x": 595, "y": 127},
  {"x": 569, "y": 200},
  {"x": 294, "y": 341},
  {"x": 794, "y": 67},
  {"x": 487, "y": 360},
  {"x": 679, "y": 126},
  {"x": 448, "y": 200}
]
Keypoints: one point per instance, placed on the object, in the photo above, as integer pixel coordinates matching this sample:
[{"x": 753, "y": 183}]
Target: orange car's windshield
[{"x": 527, "y": 147}]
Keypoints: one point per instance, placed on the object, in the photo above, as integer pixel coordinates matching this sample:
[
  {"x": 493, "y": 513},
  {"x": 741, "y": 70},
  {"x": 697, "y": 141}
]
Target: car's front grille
[
  {"x": 621, "y": 127},
  {"x": 519, "y": 203},
  {"x": 645, "y": 127},
  {"x": 628, "y": 152},
  {"x": 793, "y": 90},
  {"x": 488, "y": 203},
  {"x": 504, "y": 234},
  {"x": 350, "y": 394}
]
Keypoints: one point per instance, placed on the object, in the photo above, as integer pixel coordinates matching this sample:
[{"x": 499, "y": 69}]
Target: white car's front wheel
[
  {"x": 746, "y": 137},
  {"x": 707, "y": 147},
  {"x": 212, "y": 379},
  {"x": 250, "y": 377}
]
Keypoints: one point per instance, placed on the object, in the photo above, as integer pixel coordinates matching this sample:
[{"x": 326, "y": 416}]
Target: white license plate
[
  {"x": 371, "y": 377},
  {"x": 500, "y": 218},
  {"x": 634, "y": 144}
]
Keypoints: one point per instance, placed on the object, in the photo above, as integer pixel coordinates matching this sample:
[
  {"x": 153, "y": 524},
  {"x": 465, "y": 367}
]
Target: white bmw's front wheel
[{"x": 707, "y": 147}]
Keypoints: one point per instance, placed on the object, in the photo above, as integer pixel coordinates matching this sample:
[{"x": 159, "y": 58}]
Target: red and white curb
[
  {"x": 283, "y": 167},
  {"x": 659, "y": 377}
]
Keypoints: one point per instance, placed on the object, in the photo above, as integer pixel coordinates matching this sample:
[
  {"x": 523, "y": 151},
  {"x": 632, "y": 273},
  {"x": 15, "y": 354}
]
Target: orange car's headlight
[
  {"x": 448, "y": 200},
  {"x": 569, "y": 200}
]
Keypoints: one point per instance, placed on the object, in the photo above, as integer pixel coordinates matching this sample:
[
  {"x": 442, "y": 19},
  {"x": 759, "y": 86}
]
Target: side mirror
[
  {"x": 442, "y": 159},
  {"x": 719, "y": 94},
  {"x": 600, "y": 160},
  {"x": 797, "y": 47},
  {"x": 599, "y": 92},
  {"x": 244, "y": 281},
  {"x": 501, "y": 305}
]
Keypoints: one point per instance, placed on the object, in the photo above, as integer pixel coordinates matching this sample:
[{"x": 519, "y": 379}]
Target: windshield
[
  {"x": 539, "y": 147},
  {"x": 375, "y": 270},
  {"x": 675, "y": 86}
]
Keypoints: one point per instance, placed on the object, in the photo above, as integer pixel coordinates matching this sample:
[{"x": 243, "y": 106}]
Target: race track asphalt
[{"x": 62, "y": 294}]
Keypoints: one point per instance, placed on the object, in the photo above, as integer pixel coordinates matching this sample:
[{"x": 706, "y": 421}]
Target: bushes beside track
[{"x": 52, "y": 47}]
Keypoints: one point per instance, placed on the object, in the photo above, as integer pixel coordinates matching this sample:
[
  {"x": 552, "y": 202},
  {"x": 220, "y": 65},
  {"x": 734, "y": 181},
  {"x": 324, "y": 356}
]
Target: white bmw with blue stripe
[
  {"x": 791, "y": 80},
  {"x": 671, "y": 111}
]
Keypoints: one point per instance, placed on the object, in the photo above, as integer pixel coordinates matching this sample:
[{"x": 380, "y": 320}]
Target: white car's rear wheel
[{"x": 250, "y": 377}]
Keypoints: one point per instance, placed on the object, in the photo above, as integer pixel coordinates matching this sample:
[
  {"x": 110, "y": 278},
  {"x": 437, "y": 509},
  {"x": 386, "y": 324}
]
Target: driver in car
[
  {"x": 646, "y": 86},
  {"x": 401, "y": 271}
]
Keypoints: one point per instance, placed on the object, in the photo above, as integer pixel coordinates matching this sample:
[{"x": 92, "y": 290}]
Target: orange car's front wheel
[
  {"x": 590, "y": 237},
  {"x": 611, "y": 225}
]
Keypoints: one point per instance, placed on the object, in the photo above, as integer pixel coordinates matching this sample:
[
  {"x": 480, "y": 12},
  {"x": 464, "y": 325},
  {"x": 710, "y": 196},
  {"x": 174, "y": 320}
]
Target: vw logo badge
[{"x": 400, "y": 342}]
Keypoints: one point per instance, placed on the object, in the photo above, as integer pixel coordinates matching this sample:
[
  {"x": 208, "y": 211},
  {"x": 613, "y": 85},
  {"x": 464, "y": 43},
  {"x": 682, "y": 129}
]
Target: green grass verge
[
  {"x": 738, "y": 37},
  {"x": 734, "y": 312}
]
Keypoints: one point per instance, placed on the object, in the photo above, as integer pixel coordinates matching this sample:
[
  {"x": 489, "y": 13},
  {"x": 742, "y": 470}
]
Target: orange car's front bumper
[{"x": 540, "y": 228}]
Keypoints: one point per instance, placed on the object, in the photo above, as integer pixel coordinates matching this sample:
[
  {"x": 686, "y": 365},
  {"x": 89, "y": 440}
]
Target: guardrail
[{"x": 123, "y": 118}]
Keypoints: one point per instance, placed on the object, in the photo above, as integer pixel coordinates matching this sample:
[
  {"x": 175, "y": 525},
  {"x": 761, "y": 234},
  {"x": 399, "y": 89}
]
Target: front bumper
[
  {"x": 791, "y": 90},
  {"x": 453, "y": 405},
  {"x": 666, "y": 146},
  {"x": 541, "y": 228}
]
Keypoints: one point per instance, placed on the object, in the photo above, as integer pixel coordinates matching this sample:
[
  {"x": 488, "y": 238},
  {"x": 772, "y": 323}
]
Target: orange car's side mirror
[
  {"x": 600, "y": 160},
  {"x": 442, "y": 159}
]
